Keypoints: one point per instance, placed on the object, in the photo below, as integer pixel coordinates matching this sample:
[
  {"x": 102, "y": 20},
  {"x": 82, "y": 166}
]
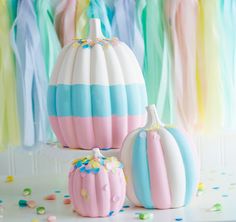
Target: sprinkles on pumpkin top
[
  {"x": 93, "y": 164},
  {"x": 88, "y": 43}
]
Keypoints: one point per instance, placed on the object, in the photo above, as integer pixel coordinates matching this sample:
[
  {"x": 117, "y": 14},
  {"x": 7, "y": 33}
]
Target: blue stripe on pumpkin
[
  {"x": 140, "y": 170},
  {"x": 96, "y": 100},
  {"x": 189, "y": 163}
]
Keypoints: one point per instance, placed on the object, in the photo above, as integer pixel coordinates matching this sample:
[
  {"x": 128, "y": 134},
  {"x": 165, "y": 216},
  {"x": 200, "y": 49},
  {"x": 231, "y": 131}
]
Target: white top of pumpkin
[{"x": 97, "y": 60}]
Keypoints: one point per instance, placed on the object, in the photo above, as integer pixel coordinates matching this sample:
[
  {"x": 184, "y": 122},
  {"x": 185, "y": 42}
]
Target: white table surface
[{"x": 198, "y": 210}]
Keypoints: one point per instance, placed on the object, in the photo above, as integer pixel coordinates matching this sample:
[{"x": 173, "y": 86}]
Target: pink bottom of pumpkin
[
  {"x": 97, "y": 195},
  {"x": 90, "y": 132}
]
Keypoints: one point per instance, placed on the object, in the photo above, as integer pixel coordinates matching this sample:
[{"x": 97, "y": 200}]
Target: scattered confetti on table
[
  {"x": 216, "y": 188},
  {"x": 27, "y": 192},
  {"x": 22, "y": 203},
  {"x": 51, "y": 219},
  {"x": 67, "y": 201},
  {"x": 9, "y": 179},
  {"x": 40, "y": 210},
  {"x": 50, "y": 197},
  {"x": 145, "y": 216},
  {"x": 111, "y": 213},
  {"x": 31, "y": 204},
  {"x": 216, "y": 207}
]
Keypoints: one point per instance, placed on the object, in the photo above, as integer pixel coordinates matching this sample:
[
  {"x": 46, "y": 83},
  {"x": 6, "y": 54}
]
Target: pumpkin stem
[
  {"x": 97, "y": 153},
  {"x": 95, "y": 29},
  {"x": 153, "y": 120}
]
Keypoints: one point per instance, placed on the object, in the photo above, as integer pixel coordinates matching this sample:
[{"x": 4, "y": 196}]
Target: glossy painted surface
[{"x": 94, "y": 88}]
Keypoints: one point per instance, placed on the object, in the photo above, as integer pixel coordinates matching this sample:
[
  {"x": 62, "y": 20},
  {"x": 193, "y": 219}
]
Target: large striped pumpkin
[
  {"x": 161, "y": 165},
  {"x": 97, "y": 92}
]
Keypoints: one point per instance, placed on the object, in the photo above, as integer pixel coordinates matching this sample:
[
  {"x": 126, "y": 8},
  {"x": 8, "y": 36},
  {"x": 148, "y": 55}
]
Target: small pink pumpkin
[{"x": 97, "y": 185}]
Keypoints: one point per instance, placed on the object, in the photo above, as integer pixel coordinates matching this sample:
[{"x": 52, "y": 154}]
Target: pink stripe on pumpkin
[
  {"x": 117, "y": 192},
  {"x": 90, "y": 132},
  {"x": 57, "y": 130},
  {"x": 103, "y": 192},
  {"x": 76, "y": 195},
  {"x": 158, "y": 174}
]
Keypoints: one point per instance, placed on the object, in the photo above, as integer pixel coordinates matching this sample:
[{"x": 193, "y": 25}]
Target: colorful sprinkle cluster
[
  {"x": 88, "y": 43},
  {"x": 92, "y": 164}
]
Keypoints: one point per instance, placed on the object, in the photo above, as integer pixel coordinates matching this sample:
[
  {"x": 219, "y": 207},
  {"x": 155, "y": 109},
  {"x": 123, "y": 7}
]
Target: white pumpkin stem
[
  {"x": 95, "y": 29},
  {"x": 153, "y": 119},
  {"x": 97, "y": 153}
]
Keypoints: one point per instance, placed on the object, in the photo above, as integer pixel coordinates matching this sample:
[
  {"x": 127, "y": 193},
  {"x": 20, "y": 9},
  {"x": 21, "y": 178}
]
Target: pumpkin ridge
[
  {"x": 75, "y": 138},
  {"x": 56, "y": 74}
]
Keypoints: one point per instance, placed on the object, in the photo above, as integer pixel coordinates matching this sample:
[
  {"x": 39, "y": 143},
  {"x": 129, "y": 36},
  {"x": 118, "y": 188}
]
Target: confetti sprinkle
[
  {"x": 9, "y": 179},
  {"x": 57, "y": 191},
  {"x": 111, "y": 213},
  {"x": 126, "y": 206},
  {"x": 216, "y": 207},
  {"x": 115, "y": 198},
  {"x": 67, "y": 201},
  {"x": 201, "y": 186},
  {"x": 22, "y": 203},
  {"x": 86, "y": 46},
  {"x": 215, "y": 188},
  {"x": 51, "y": 197},
  {"x": 84, "y": 193},
  {"x": 178, "y": 219},
  {"x": 93, "y": 164},
  {"x": 66, "y": 196},
  {"x": 27, "y": 192},
  {"x": 1, "y": 201},
  {"x": 105, "y": 187},
  {"x": 87, "y": 43},
  {"x": 145, "y": 216},
  {"x": 31, "y": 204},
  {"x": 40, "y": 210},
  {"x": 122, "y": 210},
  {"x": 105, "y": 149},
  {"x": 52, "y": 219}
]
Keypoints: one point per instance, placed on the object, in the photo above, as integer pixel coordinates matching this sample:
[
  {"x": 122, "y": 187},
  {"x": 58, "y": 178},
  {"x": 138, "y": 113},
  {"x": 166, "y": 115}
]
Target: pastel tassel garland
[
  {"x": 157, "y": 64},
  {"x": 182, "y": 17},
  {"x": 9, "y": 123},
  {"x": 81, "y": 19},
  {"x": 124, "y": 25},
  {"x": 210, "y": 97},
  {"x": 227, "y": 21},
  {"x": 31, "y": 75},
  {"x": 65, "y": 21},
  {"x": 97, "y": 9},
  {"x": 49, "y": 40},
  {"x": 12, "y": 7}
]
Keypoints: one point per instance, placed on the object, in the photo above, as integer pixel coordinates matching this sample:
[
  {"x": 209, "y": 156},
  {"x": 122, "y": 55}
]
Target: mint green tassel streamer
[
  {"x": 227, "y": 23},
  {"x": 49, "y": 40},
  {"x": 157, "y": 63},
  {"x": 12, "y": 6}
]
